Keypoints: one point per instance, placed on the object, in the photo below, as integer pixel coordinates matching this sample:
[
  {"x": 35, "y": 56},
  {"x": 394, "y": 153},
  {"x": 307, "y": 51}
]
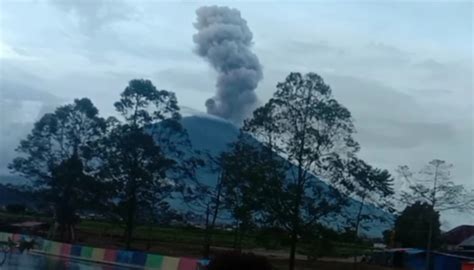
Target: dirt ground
[{"x": 326, "y": 265}]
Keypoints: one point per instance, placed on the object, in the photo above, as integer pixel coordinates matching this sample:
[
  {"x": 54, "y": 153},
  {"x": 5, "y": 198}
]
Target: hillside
[
  {"x": 212, "y": 135},
  {"x": 208, "y": 133},
  {"x": 10, "y": 195}
]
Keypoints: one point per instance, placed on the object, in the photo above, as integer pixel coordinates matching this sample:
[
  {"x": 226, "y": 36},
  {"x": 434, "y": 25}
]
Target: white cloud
[
  {"x": 93, "y": 16},
  {"x": 7, "y": 52}
]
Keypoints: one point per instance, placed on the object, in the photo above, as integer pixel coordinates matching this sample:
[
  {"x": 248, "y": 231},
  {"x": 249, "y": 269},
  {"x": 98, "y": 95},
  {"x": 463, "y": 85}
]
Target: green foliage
[
  {"x": 74, "y": 190},
  {"x": 321, "y": 247},
  {"x": 271, "y": 238},
  {"x": 56, "y": 137},
  {"x": 371, "y": 185},
  {"x": 139, "y": 155},
  {"x": 306, "y": 125},
  {"x": 413, "y": 225},
  {"x": 388, "y": 237},
  {"x": 376, "y": 181},
  {"x": 141, "y": 104},
  {"x": 246, "y": 170},
  {"x": 15, "y": 208},
  {"x": 60, "y": 156}
]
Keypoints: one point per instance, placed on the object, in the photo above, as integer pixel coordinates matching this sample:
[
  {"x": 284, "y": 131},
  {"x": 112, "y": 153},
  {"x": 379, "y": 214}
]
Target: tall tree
[
  {"x": 233, "y": 195},
  {"x": 60, "y": 157},
  {"x": 142, "y": 154},
  {"x": 371, "y": 185},
  {"x": 433, "y": 185},
  {"x": 246, "y": 172},
  {"x": 412, "y": 226},
  {"x": 305, "y": 124},
  {"x": 205, "y": 198}
]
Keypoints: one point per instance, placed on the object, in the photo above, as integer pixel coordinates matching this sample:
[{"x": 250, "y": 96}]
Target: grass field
[
  {"x": 188, "y": 241},
  {"x": 185, "y": 235}
]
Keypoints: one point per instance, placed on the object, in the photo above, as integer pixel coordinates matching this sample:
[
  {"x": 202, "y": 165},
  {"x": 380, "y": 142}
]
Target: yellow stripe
[{"x": 170, "y": 263}]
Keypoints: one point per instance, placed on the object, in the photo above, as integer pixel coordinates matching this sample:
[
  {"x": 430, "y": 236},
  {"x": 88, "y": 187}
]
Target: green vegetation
[
  {"x": 126, "y": 170},
  {"x": 182, "y": 235},
  {"x": 15, "y": 208},
  {"x": 416, "y": 224}
]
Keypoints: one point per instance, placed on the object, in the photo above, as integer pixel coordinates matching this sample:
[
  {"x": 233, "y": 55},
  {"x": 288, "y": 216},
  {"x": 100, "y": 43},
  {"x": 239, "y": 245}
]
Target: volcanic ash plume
[{"x": 224, "y": 39}]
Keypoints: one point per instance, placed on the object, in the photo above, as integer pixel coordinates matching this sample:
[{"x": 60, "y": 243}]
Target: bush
[
  {"x": 16, "y": 208},
  {"x": 320, "y": 247},
  {"x": 238, "y": 261},
  {"x": 272, "y": 238}
]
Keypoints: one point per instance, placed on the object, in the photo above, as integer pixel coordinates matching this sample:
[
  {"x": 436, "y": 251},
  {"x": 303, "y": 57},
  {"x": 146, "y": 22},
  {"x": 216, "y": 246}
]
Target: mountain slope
[
  {"x": 10, "y": 195},
  {"x": 211, "y": 134}
]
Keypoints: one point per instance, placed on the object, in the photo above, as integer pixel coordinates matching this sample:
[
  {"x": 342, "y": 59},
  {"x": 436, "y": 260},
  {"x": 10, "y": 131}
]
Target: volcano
[{"x": 213, "y": 135}]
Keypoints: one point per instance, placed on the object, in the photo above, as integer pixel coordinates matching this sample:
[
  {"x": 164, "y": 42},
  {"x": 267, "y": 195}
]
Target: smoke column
[{"x": 224, "y": 40}]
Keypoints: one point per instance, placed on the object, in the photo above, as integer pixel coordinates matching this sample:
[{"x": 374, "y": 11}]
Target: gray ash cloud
[{"x": 225, "y": 40}]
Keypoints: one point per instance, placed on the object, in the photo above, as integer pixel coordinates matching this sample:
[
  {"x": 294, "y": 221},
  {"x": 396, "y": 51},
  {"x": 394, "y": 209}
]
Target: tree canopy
[
  {"x": 306, "y": 125},
  {"x": 433, "y": 185},
  {"x": 60, "y": 156},
  {"x": 413, "y": 225},
  {"x": 137, "y": 154}
]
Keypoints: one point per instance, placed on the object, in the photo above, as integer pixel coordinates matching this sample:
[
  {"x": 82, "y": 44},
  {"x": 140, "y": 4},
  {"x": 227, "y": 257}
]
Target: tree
[
  {"x": 229, "y": 192},
  {"x": 205, "y": 199},
  {"x": 141, "y": 154},
  {"x": 60, "y": 157},
  {"x": 15, "y": 208},
  {"x": 305, "y": 124},
  {"x": 372, "y": 185},
  {"x": 245, "y": 170},
  {"x": 73, "y": 191},
  {"x": 433, "y": 186},
  {"x": 388, "y": 237},
  {"x": 412, "y": 226}
]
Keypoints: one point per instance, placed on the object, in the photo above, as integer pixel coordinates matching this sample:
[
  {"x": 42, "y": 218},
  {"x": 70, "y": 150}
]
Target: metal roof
[{"x": 469, "y": 242}]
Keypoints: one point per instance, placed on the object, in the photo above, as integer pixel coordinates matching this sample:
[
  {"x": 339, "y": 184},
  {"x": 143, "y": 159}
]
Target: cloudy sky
[{"x": 404, "y": 69}]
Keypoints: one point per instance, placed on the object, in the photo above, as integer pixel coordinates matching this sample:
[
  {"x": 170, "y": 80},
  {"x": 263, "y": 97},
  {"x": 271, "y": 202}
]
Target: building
[
  {"x": 458, "y": 235},
  {"x": 467, "y": 244}
]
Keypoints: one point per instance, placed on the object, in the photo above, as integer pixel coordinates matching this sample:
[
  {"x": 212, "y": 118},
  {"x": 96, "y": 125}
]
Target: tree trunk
[
  {"x": 207, "y": 236},
  {"x": 357, "y": 225},
  {"x": 294, "y": 240},
  {"x": 236, "y": 234},
  {"x": 150, "y": 233},
  {"x": 210, "y": 227},
  {"x": 431, "y": 219},
  {"x": 68, "y": 233},
  {"x": 239, "y": 243},
  {"x": 61, "y": 232},
  {"x": 130, "y": 222},
  {"x": 428, "y": 246},
  {"x": 73, "y": 233},
  {"x": 240, "y": 237}
]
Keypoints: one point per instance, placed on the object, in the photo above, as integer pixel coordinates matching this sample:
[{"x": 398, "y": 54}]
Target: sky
[{"x": 403, "y": 68}]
